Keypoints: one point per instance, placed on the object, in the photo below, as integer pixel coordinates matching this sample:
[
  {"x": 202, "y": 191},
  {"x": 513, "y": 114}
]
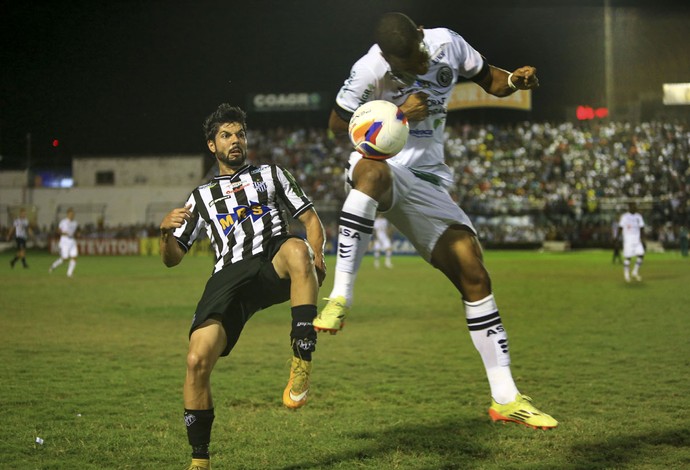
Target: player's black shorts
[
  {"x": 21, "y": 243},
  {"x": 241, "y": 289}
]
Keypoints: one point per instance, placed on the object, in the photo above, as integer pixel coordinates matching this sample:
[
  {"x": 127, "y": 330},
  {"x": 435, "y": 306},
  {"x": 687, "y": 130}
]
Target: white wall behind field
[
  {"x": 143, "y": 190},
  {"x": 123, "y": 206}
]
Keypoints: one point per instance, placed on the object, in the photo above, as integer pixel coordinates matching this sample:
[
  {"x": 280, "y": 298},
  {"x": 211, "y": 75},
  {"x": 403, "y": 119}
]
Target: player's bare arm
[
  {"x": 336, "y": 124},
  {"x": 171, "y": 252},
  {"x": 496, "y": 82},
  {"x": 415, "y": 107},
  {"x": 316, "y": 237}
]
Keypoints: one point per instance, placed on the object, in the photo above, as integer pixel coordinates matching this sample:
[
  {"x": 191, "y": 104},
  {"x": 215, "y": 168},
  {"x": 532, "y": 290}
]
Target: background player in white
[
  {"x": 382, "y": 242},
  {"x": 21, "y": 229},
  {"x": 631, "y": 229},
  {"x": 68, "y": 244},
  {"x": 417, "y": 69}
]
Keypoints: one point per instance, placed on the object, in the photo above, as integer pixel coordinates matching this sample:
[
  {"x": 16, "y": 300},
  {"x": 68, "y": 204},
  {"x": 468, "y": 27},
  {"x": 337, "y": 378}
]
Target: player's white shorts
[
  {"x": 68, "y": 248},
  {"x": 632, "y": 248},
  {"x": 382, "y": 243},
  {"x": 422, "y": 210}
]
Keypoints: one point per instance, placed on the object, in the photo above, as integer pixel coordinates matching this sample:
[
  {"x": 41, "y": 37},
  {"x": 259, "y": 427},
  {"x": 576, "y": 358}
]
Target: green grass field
[{"x": 94, "y": 366}]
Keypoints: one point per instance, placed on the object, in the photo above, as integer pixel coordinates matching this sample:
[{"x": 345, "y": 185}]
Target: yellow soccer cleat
[
  {"x": 521, "y": 411},
  {"x": 200, "y": 464},
  {"x": 297, "y": 389},
  {"x": 332, "y": 317}
]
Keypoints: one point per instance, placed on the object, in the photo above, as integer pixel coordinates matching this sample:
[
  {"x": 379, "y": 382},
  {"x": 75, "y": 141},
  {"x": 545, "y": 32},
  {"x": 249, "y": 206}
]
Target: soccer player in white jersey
[
  {"x": 382, "y": 242},
  {"x": 417, "y": 69},
  {"x": 68, "y": 228},
  {"x": 631, "y": 229},
  {"x": 21, "y": 229},
  {"x": 257, "y": 264}
]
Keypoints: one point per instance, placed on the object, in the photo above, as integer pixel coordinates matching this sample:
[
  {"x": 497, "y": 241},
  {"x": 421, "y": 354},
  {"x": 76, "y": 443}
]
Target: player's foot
[
  {"x": 637, "y": 277},
  {"x": 521, "y": 411},
  {"x": 627, "y": 277},
  {"x": 200, "y": 464},
  {"x": 50, "y": 270},
  {"x": 297, "y": 389},
  {"x": 12, "y": 264},
  {"x": 376, "y": 264},
  {"x": 332, "y": 317},
  {"x": 389, "y": 265}
]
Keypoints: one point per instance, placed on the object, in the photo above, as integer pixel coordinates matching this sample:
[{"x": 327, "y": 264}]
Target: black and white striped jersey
[{"x": 241, "y": 212}]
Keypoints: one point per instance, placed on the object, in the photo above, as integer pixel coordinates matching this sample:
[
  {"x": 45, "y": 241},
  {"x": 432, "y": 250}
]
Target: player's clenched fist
[{"x": 176, "y": 218}]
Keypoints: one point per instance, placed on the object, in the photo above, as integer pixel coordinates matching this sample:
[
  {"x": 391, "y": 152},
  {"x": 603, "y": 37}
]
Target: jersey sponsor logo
[
  {"x": 422, "y": 133},
  {"x": 438, "y": 56},
  {"x": 255, "y": 211}
]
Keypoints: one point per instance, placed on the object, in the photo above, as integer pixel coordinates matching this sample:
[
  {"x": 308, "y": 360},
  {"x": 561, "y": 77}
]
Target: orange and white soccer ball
[{"x": 378, "y": 129}]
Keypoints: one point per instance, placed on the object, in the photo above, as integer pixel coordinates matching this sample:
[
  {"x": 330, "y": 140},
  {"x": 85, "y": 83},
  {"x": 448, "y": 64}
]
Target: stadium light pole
[{"x": 608, "y": 57}]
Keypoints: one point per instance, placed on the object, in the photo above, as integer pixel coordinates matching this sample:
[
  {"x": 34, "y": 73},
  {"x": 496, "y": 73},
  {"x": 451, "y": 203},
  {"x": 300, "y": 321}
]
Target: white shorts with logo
[
  {"x": 632, "y": 248},
  {"x": 421, "y": 210},
  {"x": 68, "y": 248}
]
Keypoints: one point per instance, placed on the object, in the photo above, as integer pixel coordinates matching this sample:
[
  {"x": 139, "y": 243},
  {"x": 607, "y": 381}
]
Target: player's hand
[
  {"x": 525, "y": 78},
  {"x": 176, "y": 218},
  {"x": 415, "y": 107},
  {"x": 320, "y": 265}
]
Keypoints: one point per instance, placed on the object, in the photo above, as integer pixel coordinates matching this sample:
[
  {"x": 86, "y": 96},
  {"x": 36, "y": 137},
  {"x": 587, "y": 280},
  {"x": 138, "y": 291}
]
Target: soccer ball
[{"x": 378, "y": 129}]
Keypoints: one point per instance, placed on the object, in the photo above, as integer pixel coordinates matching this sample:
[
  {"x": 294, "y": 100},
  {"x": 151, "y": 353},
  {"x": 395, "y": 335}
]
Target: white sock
[
  {"x": 70, "y": 267},
  {"x": 56, "y": 263},
  {"x": 491, "y": 341},
  {"x": 356, "y": 225}
]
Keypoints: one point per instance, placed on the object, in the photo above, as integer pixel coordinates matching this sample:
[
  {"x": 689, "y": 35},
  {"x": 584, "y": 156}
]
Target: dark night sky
[{"x": 138, "y": 77}]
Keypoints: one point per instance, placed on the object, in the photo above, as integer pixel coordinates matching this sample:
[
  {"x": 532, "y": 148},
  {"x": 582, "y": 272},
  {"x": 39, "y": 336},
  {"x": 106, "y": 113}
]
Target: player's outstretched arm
[
  {"x": 499, "y": 82},
  {"x": 171, "y": 252}
]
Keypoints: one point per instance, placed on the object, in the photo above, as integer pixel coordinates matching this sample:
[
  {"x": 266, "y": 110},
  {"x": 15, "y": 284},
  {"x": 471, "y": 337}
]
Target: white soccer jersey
[
  {"x": 242, "y": 212},
  {"x": 631, "y": 226},
  {"x": 68, "y": 228},
  {"x": 67, "y": 244},
  {"x": 21, "y": 226},
  {"x": 451, "y": 57}
]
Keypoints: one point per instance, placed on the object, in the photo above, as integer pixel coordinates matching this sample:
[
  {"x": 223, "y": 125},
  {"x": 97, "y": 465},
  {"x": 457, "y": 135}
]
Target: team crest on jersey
[
  {"x": 444, "y": 76},
  {"x": 239, "y": 214},
  {"x": 261, "y": 186}
]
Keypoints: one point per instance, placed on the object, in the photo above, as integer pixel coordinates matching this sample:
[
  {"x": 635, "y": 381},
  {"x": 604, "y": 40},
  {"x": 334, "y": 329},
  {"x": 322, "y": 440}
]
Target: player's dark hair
[
  {"x": 225, "y": 113},
  {"x": 397, "y": 35}
]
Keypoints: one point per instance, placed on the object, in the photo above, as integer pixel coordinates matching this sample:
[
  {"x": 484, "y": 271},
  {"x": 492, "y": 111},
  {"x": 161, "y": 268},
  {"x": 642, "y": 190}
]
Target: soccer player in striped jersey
[
  {"x": 417, "y": 70},
  {"x": 631, "y": 229},
  {"x": 21, "y": 229},
  {"x": 258, "y": 263}
]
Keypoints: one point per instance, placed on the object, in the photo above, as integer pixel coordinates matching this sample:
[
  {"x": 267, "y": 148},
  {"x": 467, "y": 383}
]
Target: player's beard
[{"x": 232, "y": 159}]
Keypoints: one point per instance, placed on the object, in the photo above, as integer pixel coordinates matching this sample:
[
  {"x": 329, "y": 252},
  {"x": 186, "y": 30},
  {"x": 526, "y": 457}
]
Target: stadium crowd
[
  {"x": 530, "y": 181},
  {"x": 520, "y": 183}
]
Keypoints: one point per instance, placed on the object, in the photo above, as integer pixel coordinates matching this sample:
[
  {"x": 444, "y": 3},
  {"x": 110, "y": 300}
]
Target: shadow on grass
[
  {"x": 626, "y": 451},
  {"x": 451, "y": 444}
]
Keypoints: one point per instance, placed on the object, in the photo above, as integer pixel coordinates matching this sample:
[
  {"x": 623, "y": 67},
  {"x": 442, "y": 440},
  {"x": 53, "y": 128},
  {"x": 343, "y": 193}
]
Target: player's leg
[
  {"x": 372, "y": 186},
  {"x": 206, "y": 344},
  {"x": 377, "y": 255},
  {"x": 389, "y": 253},
  {"x": 295, "y": 261},
  {"x": 636, "y": 269},
  {"x": 458, "y": 255},
  {"x": 626, "y": 268}
]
